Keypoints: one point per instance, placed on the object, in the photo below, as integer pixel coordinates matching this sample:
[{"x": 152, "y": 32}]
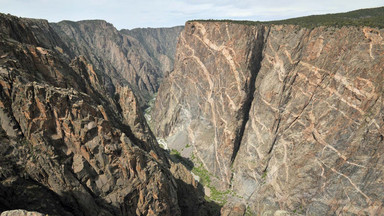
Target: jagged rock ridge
[
  {"x": 73, "y": 138},
  {"x": 160, "y": 43},
  {"x": 287, "y": 117},
  {"x": 125, "y": 58}
]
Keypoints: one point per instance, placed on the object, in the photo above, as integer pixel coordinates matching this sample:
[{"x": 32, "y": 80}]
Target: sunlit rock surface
[
  {"x": 289, "y": 118},
  {"x": 70, "y": 144}
]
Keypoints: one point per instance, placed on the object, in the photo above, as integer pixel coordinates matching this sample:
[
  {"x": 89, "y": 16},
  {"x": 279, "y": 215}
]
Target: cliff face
[
  {"x": 70, "y": 144},
  {"x": 205, "y": 98},
  {"x": 289, "y": 118},
  {"x": 139, "y": 62},
  {"x": 160, "y": 43}
]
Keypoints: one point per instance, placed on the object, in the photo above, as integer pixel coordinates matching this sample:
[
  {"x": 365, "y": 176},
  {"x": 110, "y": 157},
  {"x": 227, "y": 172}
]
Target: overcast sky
[{"x": 165, "y": 13}]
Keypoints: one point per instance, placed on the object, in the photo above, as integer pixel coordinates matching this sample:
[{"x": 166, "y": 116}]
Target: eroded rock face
[
  {"x": 160, "y": 43},
  {"x": 202, "y": 102},
  {"x": 307, "y": 105},
  {"x": 312, "y": 141},
  {"x": 67, "y": 146},
  {"x": 139, "y": 63},
  {"x": 21, "y": 213}
]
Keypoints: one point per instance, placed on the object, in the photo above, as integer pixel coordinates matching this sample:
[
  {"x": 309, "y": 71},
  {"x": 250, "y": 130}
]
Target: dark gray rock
[
  {"x": 138, "y": 58},
  {"x": 67, "y": 147},
  {"x": 160, "y": 43}
]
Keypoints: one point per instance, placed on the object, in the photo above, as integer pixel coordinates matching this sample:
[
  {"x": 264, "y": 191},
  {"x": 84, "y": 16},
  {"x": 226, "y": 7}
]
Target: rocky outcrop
[
  {"x": 315, "y": 123},
  {"x": 288, "y": 118},
  {"x": 205, "y": 104},
  {"x": 71, "y": 145},
  {"x": 139, "y": 63},
  {"x": 160, "y": 43},
  {"x": 21, "y": 213}
]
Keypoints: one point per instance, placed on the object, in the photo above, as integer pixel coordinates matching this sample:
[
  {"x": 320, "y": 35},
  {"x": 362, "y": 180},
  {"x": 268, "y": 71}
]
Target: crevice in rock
[{"x": 254, "y": 66}]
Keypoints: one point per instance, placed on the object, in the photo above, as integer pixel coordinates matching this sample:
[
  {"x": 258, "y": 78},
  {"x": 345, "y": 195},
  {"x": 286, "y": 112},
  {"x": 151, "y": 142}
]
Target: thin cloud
[{"x": 165, "y": 13}]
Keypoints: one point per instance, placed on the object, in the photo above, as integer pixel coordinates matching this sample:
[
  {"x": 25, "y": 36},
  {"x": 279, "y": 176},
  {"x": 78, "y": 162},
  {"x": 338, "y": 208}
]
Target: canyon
[
  {"x": 290, "y": 119},
  {"x": 245, "y": 119},
  {"x": 74, "y": 140}
]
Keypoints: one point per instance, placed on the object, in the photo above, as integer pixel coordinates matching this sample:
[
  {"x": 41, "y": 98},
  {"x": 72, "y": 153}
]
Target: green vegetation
[
  {"x": 242, "y": 22},
  {"x": 204, "y": 175},
  {"x": 162, "y": 143},
  {"x": 299, "y": 211},
  {"x": 175, "y": 152},
  {"x": 373, "y": 17},
  {"x": 248, "y": 212},
  {"x": 148, "y": 110},
  {"x": 217, "y": 196},
  {"x": 264, "y": 175},
  {"x": 176, "y": 155}
]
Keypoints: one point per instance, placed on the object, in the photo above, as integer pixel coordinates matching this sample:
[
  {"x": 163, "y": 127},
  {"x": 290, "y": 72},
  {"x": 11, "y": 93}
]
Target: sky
[{"x": 128, "y": 14}]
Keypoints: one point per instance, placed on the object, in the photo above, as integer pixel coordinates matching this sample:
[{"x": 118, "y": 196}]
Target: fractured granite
[
  {"x": 288, "y": 118},
  {"x": 70, "y": 145}
]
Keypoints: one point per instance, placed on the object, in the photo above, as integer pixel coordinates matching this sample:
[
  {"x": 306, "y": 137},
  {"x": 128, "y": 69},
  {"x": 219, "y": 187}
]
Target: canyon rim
[{"x": 217, "y": 117}]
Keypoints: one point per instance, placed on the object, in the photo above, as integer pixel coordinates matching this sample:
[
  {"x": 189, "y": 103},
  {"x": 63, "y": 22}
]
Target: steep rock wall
[
  {"x": 160, "y": 43},
  {"x": 136, "y": 59},
  {"x": 203, "y": 103},
  {"x": 313, "y": 131},
  {"x": 119, "y": 56},
  {"x": 67, "y": 146},
  {"x": 312, "y": 142}
]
